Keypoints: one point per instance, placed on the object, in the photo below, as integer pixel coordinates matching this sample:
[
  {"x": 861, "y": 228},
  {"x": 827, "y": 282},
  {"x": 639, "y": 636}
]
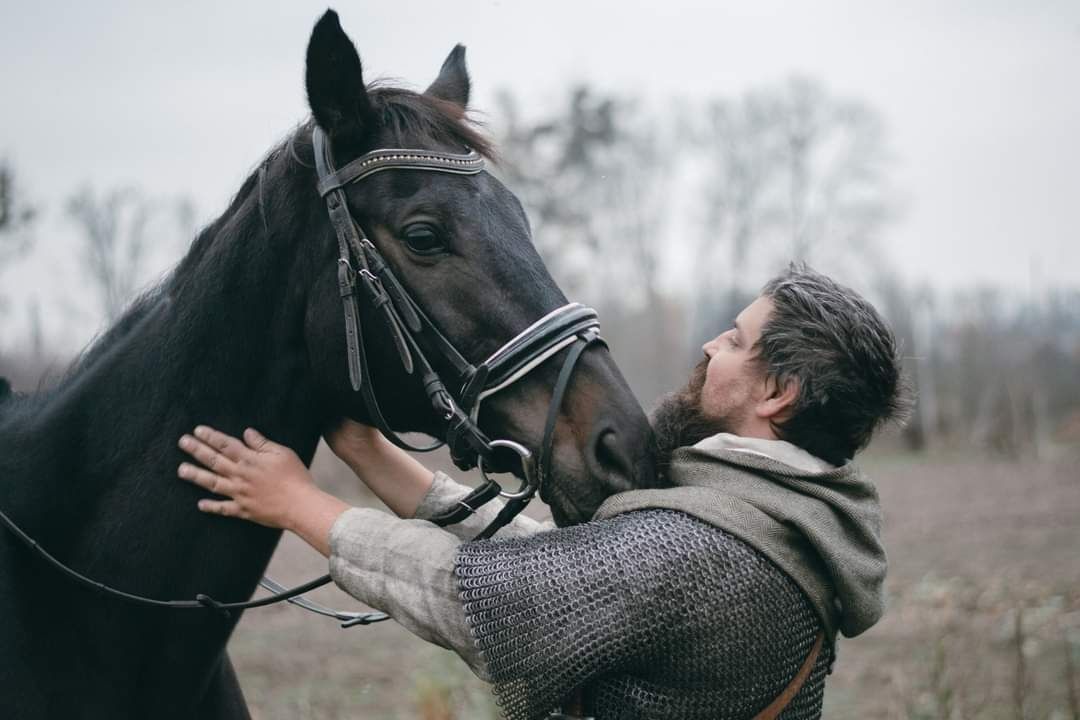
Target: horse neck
[{"x": 90, "y": 468}]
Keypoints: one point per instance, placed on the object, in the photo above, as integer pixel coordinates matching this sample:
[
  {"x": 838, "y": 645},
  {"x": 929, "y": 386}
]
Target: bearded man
[{"x": 719, "y": 595}]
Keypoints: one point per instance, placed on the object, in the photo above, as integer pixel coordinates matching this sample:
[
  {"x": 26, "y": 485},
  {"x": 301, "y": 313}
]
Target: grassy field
[{"x": 983, "y": 619}]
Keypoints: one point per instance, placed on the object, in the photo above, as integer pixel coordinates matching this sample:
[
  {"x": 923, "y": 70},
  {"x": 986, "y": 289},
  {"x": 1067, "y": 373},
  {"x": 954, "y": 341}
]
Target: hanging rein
[{"x": 364, "y": 275}]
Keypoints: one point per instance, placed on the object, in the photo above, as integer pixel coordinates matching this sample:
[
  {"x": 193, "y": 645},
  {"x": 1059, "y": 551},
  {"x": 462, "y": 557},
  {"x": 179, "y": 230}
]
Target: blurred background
[{"x": 671, "y": 158}]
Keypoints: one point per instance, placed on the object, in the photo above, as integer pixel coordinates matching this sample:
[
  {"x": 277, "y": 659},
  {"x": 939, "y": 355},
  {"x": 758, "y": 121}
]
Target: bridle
[{"x": 361, "y": 270}]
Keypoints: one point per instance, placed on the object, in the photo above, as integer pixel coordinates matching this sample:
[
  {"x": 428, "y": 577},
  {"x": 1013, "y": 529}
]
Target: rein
[{"x": 361, "y": 269}]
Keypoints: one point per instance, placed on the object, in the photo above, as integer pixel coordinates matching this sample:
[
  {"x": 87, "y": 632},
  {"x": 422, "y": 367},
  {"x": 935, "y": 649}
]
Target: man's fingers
[
  {"x": 207, "y": 455},
  {"x": 226, "y": 508},
  {"x": 205, "y": 479},
  {"x": 256, "y": 441},
  {"x": 227, "y": 445}
]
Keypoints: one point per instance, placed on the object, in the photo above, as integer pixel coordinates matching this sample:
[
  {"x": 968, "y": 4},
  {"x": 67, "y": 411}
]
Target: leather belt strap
[
  {"x": 573, "y": 707},
  {"x": 784, "y": 699}
]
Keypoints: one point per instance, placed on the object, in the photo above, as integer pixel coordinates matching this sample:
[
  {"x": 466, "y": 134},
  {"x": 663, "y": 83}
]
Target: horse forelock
[{"x": 417, "y": 120}]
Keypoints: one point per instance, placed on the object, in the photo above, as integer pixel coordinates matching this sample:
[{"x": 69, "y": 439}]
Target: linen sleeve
[
  {"x": 445, "y": 493},
  {"x": 404, "y": 568}
]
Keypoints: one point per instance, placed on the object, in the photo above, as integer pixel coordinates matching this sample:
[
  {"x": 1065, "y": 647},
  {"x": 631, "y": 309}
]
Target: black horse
[{"x": 248, "y": 329}]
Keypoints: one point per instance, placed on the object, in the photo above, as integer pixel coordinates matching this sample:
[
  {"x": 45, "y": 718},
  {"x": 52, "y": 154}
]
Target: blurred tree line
[
  {"x": 117, "y": 231},
  {"x": 668, "y": 220}
]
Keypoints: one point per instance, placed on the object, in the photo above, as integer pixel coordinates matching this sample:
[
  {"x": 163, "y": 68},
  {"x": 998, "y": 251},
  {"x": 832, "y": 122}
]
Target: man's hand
[{"x": 263, "y": 481}]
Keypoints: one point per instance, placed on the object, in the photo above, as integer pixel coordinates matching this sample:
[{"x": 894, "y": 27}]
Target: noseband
[
  {"x": 363, "y": 271},
  {"x": 362, "y": 268}
]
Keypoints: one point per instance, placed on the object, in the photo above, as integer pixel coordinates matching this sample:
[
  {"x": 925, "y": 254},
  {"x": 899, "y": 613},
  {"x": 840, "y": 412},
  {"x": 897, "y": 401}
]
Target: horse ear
[
  {"x": 453, "y": 81},
  {"x": 335, "y": 84}
]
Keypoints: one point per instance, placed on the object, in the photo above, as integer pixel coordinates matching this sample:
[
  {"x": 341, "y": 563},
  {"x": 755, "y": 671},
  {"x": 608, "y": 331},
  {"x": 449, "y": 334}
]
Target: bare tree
[
  {"x": 115, "y": 242},
  {"x": 791, "y": 173},
  {"x": 594, "y": 176},
  {"x": 834, "y": 157},
  {"x": 591, "y": 177},
  {"x": 16, "y": 216},
  {"x": 910, "y": 312},
  {"x": 742, "y": 158},
  {"x": 552, "y": 163}
]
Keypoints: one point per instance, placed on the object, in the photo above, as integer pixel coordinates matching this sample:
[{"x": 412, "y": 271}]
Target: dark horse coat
[{"x": 248, "y": 330}]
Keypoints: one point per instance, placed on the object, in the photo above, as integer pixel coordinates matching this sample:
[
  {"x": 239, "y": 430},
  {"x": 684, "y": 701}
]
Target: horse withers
[{"x": 248, "y": 330}]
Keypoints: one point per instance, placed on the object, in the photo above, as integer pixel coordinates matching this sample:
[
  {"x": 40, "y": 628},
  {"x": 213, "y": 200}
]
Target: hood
[{"x": 820, "y": 524}]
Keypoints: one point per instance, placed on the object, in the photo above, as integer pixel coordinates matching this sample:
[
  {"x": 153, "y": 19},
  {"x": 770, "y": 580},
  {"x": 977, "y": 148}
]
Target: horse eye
[{"x": 424, "y": 239}]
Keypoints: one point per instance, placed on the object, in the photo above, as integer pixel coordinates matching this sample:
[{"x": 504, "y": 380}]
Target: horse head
[{"x": 460, "y": 245}]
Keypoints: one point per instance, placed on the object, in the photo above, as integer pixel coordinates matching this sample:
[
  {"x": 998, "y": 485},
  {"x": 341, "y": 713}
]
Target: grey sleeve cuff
[
  {"x": 445, "y": 493},
  {"x": 404, "y": 568},
  {"x": 442, "y": 496}
]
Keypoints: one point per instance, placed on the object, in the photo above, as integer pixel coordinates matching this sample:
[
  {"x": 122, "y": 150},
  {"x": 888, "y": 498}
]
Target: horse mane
[
  {"x": 409, "y": 118},
  {"x": 123, "y": 328}
]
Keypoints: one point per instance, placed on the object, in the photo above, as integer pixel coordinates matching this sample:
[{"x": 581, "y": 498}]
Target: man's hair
[{"x": 843, "y": 356}]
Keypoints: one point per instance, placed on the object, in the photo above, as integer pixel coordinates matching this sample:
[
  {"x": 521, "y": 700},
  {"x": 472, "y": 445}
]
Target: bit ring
[{"x": 527, "y": 487}]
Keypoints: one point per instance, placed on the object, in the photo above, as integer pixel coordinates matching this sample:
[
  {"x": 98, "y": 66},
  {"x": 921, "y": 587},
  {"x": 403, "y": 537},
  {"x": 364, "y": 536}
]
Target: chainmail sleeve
[{"x": 655, "y": 613}]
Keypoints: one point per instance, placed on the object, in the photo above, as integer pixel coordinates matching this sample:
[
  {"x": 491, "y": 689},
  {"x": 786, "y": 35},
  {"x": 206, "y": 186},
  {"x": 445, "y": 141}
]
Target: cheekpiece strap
[{"x": 469, "y": 163}]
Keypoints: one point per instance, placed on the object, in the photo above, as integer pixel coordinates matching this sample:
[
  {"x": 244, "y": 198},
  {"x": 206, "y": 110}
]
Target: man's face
[
  {"x": 723, "y": 388},
  {"x": 733, "y": 381}
]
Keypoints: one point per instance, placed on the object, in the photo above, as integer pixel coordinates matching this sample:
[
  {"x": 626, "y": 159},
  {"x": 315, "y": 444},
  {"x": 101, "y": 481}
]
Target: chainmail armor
[{"x": 655, "y": 613}]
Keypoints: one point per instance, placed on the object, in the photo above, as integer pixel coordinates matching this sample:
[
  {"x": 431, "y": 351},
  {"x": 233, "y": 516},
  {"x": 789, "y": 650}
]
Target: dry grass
[
  {"x": 984, "y": 594},
  {"x": 983, "y": 620}
]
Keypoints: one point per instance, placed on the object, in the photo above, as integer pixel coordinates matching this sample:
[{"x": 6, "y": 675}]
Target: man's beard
[{"x": 678, "y": 420}]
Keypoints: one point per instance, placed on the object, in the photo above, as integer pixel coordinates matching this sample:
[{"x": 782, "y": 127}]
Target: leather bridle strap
[
  {"x": 201, "y": 601},
  {"x": 346, "y": 618},
  {"x": 360, "y": 266},
  {"x": 534, "y": 475},
  {"x": 372, "y": 273},
  {"x": 517, "y": 503},
  {"x": 413, "y": 333},
  {"x": 375, "y": 161}
]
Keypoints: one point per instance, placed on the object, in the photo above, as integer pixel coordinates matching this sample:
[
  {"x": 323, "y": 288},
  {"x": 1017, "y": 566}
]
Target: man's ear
[
  {"x": 779, "y": 399},
  {"x": 335, "y": 86},
  {"x": 453, "y": 81}
]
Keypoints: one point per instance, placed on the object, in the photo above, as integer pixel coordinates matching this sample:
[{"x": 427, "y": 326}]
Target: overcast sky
[{"x": 981, "y": 101}]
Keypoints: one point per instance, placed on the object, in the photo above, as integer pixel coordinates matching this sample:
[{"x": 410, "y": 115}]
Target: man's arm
[
  {"x": 404, "y": 568},
  {"x": 409, "y": 489},
  {"x": 396, "y": 478}
]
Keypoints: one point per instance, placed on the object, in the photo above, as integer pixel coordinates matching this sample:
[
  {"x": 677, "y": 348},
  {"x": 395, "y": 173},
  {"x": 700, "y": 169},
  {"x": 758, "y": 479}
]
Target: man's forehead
[{"x": 753, "y": 316}]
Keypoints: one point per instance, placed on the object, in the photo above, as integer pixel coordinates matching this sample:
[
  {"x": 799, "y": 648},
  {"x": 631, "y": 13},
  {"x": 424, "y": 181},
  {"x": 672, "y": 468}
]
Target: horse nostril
[{"x": 611, "y": 458}]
